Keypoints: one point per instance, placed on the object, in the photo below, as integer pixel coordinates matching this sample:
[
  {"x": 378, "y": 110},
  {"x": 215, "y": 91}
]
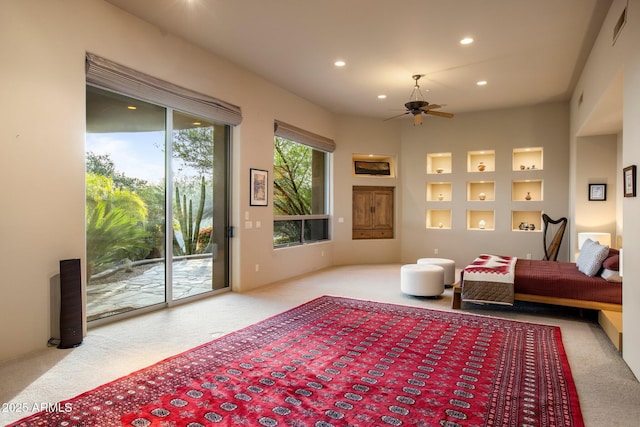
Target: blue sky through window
[{"x": 135, "y": 154}]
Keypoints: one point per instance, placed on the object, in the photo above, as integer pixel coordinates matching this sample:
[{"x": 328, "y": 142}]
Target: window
[{"x": 300, "y": 186}]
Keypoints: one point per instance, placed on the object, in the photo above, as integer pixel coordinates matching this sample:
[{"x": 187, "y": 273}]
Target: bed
[{"x": 559, "y": 283}]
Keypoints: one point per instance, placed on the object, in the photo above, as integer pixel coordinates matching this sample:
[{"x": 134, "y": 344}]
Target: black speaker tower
[{"x": 70, "y": 304}]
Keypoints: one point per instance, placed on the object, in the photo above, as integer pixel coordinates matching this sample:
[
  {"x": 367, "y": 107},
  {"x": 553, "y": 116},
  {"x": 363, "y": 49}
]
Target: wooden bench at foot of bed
[{"x": 567, "y": 302}]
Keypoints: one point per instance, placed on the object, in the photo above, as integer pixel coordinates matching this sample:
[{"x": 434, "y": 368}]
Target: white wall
[
  {"x": 43, "y": 45},
  {"x": 363, "y": 136},
  {"x": 631, "y": 206},
  {"x": 597, "y": 163},
  {"x": 605, "y": 63},
  {"x": 540, "y": 126},
  {"x": 543, "y": 126}
]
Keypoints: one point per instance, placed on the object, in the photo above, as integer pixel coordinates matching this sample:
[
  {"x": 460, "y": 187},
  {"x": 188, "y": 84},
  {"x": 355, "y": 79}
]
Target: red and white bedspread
[{"x": 489, "y": 279}]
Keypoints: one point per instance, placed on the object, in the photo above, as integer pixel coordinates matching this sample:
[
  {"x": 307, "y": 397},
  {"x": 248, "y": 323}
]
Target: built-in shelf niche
[
  {"x": 480, "y": 220},
  {"x": 527, "y": 190},
  {"x": 439, "y": 218},
  {"x": 481, "y": 190},
  {"x": 481, "y": 161},
  {"x": 439, "y": 191},
  {"x": 527, "y": 159},
  {"x": 373, "y": 165},
  {"x": 438, "y": 163},
  {"x": 520, "y": 219}
]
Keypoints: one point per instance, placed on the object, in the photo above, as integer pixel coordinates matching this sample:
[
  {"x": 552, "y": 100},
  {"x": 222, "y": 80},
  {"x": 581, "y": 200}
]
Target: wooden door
[
  {"x": 382, "y": 209},
  {"x": 362, "y": 212}
]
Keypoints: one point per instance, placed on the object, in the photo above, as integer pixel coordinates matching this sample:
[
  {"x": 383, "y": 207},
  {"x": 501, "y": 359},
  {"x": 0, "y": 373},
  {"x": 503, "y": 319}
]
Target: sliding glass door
[
  {"x": 156, "y": 209},
  {"x": 199, "y": 152}
]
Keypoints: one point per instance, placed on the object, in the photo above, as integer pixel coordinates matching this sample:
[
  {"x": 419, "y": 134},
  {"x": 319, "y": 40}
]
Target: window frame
[{"x": 319, "y": 144}]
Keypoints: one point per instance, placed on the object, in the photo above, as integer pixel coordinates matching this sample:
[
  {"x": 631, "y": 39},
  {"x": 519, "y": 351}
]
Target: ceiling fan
[{"x": 417, "y": 106}]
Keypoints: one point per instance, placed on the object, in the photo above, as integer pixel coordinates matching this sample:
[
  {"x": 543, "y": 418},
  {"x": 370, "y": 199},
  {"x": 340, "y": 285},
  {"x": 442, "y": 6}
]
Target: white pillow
[
  {"x": 591, "y": 256},
  {"x": 611, "y": 276}
]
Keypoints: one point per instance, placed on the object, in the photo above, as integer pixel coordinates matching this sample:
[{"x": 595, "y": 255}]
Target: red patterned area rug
[{"x": 344, "y": 362}]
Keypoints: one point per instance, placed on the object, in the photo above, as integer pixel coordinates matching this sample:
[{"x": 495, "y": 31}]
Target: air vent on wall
[{"x": 619, "y": 25}]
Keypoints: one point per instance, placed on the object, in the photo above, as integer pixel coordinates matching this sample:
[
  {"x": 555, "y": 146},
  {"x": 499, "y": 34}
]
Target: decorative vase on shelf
[
  {"x": 528, "y": 196},
  {"x": 522, "y": 167},
  {"x": 481, "y": 166},
  {"x": 440, "y": 225},
  {"x": 482, "y": 224},
  {"x": 482, "y": 196},
  {"x": 440, "y": 197},
  {"x": 439, "y": 170}
]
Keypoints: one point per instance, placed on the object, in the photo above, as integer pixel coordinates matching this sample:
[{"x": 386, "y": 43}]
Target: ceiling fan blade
[
  {"x": 440, "y": 114},
  {"x": 431, "y": 107},
  {"x": 394, "y": 117}
]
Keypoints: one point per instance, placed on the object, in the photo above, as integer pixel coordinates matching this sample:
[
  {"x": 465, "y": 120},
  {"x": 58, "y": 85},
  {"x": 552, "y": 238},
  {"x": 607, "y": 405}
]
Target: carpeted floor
[
  {"x": 609, "y": 394},
  {"x": 344, "y": 361}
]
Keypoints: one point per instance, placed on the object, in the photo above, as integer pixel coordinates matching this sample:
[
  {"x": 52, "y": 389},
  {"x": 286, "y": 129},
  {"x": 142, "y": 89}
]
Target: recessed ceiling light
[
  {"x": 132, "y": 107},
  {"x": 482, "y": 83},
  {"x": 382, "y": 96},
  {"x": 466, "y": 40},
  {"x": 197, "y": 123},
  {"x": 340, "y": 63}
]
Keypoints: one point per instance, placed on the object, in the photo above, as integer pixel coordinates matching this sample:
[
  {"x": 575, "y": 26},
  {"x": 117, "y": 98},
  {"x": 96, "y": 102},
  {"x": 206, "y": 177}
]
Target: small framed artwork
[
  {"x": 258, "y": 187},
  {"x": 629, "y": 181},
  {"x": 598, "y": 192}
]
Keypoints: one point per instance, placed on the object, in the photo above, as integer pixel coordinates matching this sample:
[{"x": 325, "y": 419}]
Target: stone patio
[{"x": 191, "y": 277}]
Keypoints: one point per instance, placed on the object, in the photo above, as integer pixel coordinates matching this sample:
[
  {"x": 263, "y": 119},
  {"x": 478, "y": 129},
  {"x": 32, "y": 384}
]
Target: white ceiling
[{"x": 529, "y": 51}]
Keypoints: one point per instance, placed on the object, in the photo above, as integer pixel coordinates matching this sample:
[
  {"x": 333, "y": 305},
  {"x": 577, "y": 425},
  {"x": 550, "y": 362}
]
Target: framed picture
[
  {"x": 258, "y": 187},
  {"x": 629, "y": 181},
  {"x": 363, "y": 167},
  {"x": 598, "y": 192}
]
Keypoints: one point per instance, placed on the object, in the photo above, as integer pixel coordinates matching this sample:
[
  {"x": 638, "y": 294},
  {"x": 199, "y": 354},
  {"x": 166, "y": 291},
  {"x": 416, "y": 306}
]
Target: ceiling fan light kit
[{"x": 417, "y": 106}]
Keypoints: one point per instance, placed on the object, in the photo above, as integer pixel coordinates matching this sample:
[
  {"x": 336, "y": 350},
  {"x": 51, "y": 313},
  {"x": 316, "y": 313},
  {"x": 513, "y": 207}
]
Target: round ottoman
[
  {"x": 423, "y": 280},
  {"x": 448, "y": 265}
]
